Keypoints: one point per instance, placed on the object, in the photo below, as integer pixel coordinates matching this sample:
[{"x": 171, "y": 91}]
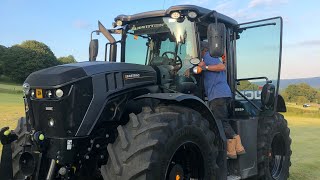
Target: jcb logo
[
  {"x": 39, "y": 93},
  {"x": 250, "y": 94}
]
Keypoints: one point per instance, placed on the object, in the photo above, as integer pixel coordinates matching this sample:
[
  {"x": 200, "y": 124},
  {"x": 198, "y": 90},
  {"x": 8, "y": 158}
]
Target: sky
[{"x": 65, "y": 26}]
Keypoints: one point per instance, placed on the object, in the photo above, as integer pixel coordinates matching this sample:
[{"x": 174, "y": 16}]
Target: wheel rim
[
  {"x": 186, "y": 163},
  {"x": 277, "y": 156}
]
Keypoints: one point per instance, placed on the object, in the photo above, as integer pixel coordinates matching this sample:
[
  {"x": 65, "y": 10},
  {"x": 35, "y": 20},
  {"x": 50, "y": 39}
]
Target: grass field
[
  {"x": 305, "y": 133},
  {"x": 10, "y": 88}
]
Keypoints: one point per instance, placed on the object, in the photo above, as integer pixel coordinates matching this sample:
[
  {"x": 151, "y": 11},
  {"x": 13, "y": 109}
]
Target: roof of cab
[{"x": 160, "y": 13}]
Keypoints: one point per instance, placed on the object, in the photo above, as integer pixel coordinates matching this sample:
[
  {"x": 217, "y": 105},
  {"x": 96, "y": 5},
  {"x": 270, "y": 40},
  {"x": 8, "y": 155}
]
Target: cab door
[{"x": 258, "y": 62}]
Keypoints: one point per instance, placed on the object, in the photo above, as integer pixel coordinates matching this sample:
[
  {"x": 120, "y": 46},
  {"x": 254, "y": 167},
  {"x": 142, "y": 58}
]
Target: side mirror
[
  {"x": 217, "y": 38},
  {"x": 93, "y": 49},
  {"x": 195, "y": 61},
  {"x": 267, "y": 95}
]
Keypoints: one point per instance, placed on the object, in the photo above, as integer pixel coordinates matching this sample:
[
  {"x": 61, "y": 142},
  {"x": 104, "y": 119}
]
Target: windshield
[
  {"x": 167, "y": 45},
  {"x": 161, "y": 41}
]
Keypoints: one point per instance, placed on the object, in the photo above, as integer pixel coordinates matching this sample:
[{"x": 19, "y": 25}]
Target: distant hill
[
  {"x": 284, "y": 83},
  {"x": 313, "y": 82}
]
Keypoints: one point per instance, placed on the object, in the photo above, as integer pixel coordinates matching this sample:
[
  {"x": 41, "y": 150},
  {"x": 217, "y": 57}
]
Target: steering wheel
[{"x": 177, "y": 62}]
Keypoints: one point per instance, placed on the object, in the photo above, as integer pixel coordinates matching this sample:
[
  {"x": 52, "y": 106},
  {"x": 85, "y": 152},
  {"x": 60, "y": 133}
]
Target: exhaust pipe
[{"x": 113, "y": 44}]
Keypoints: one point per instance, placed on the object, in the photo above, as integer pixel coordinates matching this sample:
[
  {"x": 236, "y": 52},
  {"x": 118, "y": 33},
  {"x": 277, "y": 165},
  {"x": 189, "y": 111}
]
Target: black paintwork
[
  {"x": 54, "y": 76},
  {"x": 86, "y": 94},
  {"x": 66, "y": 112},
  {"x": 60, "y": 75}
]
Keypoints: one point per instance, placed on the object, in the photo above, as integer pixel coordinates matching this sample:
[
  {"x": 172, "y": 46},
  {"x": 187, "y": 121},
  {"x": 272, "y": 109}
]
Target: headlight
[
  {"x": 119, "y": 23},
  {"x": 192, "y": 14},
  {"x": 175, "y": 15},
  {"x": 32, "y": 94},
  {"x": 26, "y": 88},
  {"x": 48, "y": 94},
  {"x": 51, "y": 122},
  {"x": 59, "y": 93}
]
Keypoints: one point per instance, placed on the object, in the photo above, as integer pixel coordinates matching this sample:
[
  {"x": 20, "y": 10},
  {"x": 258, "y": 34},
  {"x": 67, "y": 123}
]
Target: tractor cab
[{"x": 169, "y": 41}]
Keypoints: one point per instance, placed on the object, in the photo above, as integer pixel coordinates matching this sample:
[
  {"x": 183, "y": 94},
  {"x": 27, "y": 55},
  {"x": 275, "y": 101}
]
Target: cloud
[
  {"x": 244, "y": 15},
  {"x": 255, "y": 3},
  {"x": 309, "y": 43},
  {"x": 81, "y": 24}
]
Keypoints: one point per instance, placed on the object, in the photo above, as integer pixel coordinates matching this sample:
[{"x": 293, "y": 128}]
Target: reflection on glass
[
  {"x": 163, "y": 42},
  {"x": 258, "y": 51}
]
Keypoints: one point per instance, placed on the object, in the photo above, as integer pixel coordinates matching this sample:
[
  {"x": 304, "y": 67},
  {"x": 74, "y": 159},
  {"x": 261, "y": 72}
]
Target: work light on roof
[
  {"x": 119, "y": 23},
  {"x": 175, "y": 15},
  {"x": 192, "y": 14}
]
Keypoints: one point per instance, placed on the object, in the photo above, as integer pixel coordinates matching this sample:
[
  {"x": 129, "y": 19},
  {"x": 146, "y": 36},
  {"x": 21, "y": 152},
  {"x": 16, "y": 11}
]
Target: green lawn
[
  {"x": 305, "y": 133},
  {"x": 11, "y": 108},
  {"x": 10, "y": 88}
]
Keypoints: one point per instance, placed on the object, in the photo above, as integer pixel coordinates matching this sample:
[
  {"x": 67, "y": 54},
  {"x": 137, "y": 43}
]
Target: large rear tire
[
  {"x": 274, "y": 149},
  {"x": 172, "y": 141}
]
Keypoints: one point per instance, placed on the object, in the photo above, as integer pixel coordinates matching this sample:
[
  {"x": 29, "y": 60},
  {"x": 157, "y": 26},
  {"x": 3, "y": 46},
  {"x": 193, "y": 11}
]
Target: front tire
[
  {"x": 17, "y": 147},
  {"x": 172, "y": 141},
  {"x": 274, "y": 149}
]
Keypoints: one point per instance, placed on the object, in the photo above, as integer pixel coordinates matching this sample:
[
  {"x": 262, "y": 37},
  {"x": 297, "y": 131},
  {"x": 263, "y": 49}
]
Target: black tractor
[{"x": 144, "y": 118}]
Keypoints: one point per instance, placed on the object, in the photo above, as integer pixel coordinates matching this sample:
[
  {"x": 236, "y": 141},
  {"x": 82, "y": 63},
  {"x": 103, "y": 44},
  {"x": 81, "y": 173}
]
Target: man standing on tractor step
[{"x": 219, "y": 97}]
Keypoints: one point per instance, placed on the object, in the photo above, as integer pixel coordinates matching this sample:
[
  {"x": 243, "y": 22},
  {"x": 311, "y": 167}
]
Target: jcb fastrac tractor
[{"x": 143, "y": 117}]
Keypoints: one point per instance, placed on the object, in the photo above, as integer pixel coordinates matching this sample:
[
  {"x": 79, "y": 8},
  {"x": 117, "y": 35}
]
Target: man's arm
[{"x": 217, "y": 67}]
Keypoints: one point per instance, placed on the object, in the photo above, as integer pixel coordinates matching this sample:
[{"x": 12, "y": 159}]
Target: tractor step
[{"x": 233, "y": 177}]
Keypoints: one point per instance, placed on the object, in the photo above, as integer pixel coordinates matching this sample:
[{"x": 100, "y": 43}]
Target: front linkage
[
  {"x": 30, "y": 155},
  {"x": 6, "y": 137},
  {"x": 28, "y": 160}
]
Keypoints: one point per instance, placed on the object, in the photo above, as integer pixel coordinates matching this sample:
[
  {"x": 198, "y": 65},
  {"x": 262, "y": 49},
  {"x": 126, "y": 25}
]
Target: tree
[
  {"x": 2, "y": 51},
  {"x": 301, "y": 92},
  {"x": 247, "y": 85},
  {"x": 21, "y": 60},
  {"x": 67, "y": 59}
]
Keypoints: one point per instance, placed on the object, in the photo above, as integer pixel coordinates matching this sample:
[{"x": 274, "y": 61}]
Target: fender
[
  {"x": 199, "y": 105},
  {"x": 281, "y": 105},
  {"x": 192, "y": 102}
]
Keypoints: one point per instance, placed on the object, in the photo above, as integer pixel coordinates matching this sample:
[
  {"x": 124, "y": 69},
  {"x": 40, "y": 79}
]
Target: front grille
[{"x": 62, "y": 117}]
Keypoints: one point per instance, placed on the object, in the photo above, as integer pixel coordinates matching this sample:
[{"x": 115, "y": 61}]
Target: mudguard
[{"x": 190, "y": 101}]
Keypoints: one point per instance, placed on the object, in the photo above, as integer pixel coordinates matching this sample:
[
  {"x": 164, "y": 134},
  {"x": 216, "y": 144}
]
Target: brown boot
[
  {"x": 239, "y": 148},
  {"x": 231, "y": 149}
]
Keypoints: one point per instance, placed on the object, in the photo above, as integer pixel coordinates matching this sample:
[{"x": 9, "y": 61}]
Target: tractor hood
[{"x": 60, "y": 75}]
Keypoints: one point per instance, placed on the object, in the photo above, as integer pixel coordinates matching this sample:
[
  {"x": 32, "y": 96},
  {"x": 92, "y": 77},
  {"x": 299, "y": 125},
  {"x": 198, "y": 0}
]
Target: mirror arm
[{"x": 96, "y": 31}]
